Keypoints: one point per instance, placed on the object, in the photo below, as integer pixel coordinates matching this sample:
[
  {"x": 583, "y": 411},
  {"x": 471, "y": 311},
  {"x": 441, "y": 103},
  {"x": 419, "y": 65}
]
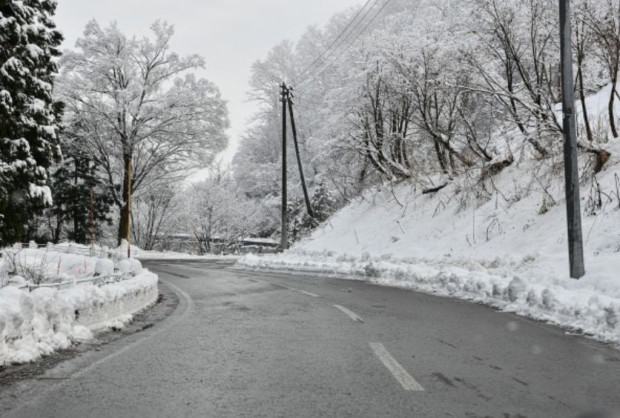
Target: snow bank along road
[{"x": 271, "y": 345}]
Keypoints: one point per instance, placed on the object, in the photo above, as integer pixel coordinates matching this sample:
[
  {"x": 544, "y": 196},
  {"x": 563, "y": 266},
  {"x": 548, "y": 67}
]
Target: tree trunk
[
  {"x": 56, "y": 231},
  {"x": 76, "y": 215},
  {"x": 124, "y": 228},
  {"x": 612, "y": 96},
  {"x": 12, "y": 225},
  {"x": 441, "y": 157},
  {"x": 584, "y": 110},
  {"x": 76, "y": 225}
]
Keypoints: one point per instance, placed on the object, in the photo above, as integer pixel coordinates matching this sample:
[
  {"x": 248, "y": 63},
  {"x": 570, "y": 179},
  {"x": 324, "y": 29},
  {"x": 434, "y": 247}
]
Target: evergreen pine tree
[
  {"x": 323, "y": 205},
  {"x": 72, "y": 182},
  {"x": 29, "y": 118}
]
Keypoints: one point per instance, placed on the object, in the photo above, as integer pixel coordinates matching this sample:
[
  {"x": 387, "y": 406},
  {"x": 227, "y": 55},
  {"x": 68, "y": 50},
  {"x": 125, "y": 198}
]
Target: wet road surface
[{"x": 245, "y": 344}]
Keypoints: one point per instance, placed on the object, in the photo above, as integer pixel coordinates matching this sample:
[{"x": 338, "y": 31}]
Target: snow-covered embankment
[{"x": 38, "y": 322}]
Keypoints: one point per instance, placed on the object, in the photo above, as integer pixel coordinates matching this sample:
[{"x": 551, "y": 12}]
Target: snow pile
[
  {"x": 120, "y": 253},
  {"x": 172, "y": 255},
  {"x": 36, "y": 323}
]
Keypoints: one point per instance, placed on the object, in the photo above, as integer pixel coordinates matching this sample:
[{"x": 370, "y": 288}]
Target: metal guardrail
[{"x": 96, "y": 280}]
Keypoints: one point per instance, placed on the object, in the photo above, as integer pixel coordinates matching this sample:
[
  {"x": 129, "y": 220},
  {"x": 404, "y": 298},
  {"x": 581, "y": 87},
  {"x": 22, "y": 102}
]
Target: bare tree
[
  {"x": 154, "y": 215},
  {"x": 583, "y": 37},
  {"x": 603, "y": 19},
  {"x": 518, "y": 63},
  {"x": 138, "y": 109},
  {"x": 216, "y": 211}
]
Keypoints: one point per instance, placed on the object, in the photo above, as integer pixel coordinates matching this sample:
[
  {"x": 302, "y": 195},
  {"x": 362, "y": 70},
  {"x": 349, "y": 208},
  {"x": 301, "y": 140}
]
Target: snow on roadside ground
[
  {"x": 171, "y": 255},
  {"x": 591, "y": 305},
  {"x": 141, "y": 254},
  {"x": 499, "y": 251},
  {"x": 36, "y": 323}
]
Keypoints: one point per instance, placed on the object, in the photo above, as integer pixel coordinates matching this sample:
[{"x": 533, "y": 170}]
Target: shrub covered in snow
[
  {"x": 124, "y": 266},
  {"x": 135, "y": 266},
  {"x": 104, "y": 267}
]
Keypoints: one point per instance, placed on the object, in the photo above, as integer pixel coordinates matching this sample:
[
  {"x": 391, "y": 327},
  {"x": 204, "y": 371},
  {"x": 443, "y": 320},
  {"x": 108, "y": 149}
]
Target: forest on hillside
[{"x": 427, "y": 92}]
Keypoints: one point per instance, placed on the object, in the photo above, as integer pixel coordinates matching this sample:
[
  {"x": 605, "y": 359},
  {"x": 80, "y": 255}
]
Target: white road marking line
[
  {"x": 349, "y": 313},
  {"x": 306, "y": 293},
  {"x": 403, "y": 377}
]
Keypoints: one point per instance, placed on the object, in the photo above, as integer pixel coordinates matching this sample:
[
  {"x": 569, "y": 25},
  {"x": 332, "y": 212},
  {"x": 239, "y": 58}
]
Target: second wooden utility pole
[
  {"x": 301, "y": 171},
  {"x": 284, "y": 233}
]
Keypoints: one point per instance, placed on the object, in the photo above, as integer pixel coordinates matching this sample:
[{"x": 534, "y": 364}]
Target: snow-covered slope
[
  {"x": 501, "y": 241},
  {"x": 498, "y": 234}
]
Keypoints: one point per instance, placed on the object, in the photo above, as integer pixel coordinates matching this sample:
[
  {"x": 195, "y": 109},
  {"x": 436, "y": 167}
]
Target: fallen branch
[
  {"x": 602, "y": 156},
  {"x": 495, "y": 168},
  {"x": 434, "y": 189}
]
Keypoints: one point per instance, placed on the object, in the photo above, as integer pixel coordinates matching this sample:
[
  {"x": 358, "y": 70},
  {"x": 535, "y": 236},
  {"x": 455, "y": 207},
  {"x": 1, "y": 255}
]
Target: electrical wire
[
  {"x": 340, "y": 35},
  {"x": 350, "y": 33},
  {"x": 327, "y": 65}
]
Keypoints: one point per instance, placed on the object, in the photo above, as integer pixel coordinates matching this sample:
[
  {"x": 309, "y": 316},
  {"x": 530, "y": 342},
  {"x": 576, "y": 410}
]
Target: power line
[
  {"x": 327, "y": 65},
  {"x": 336, "y": 39},
  {"x": 304, "y": 100},
  {"x": 352, "y": 31}
]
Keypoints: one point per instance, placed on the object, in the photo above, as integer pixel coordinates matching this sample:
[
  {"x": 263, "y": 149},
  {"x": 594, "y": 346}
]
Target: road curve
[{"x": 244, "y": 344}]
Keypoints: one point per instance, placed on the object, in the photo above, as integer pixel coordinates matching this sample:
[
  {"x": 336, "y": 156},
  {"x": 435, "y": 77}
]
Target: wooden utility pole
[
  {"x": 571, "y": 167},
  {"x": 284, "y": 234},
  {"x": 301, "y": 171}
]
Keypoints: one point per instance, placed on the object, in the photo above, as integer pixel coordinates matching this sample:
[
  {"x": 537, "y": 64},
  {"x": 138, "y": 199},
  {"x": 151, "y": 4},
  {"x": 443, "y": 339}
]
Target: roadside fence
[{"x": 51, "y": 281}]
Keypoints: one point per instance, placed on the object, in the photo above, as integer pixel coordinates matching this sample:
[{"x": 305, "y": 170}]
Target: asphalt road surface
[{"x": 243, "y": 344}]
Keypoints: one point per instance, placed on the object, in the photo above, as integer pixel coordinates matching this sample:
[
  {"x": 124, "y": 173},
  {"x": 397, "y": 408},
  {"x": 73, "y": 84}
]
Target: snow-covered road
[{"x": 270, "y": 345}]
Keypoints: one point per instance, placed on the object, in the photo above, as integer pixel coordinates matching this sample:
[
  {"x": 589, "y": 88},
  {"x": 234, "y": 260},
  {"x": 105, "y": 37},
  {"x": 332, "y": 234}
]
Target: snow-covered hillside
[{"x": 500, "y": 241}]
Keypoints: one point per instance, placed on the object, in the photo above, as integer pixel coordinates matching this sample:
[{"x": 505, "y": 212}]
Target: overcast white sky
[{"x": 230, "y": 34}]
